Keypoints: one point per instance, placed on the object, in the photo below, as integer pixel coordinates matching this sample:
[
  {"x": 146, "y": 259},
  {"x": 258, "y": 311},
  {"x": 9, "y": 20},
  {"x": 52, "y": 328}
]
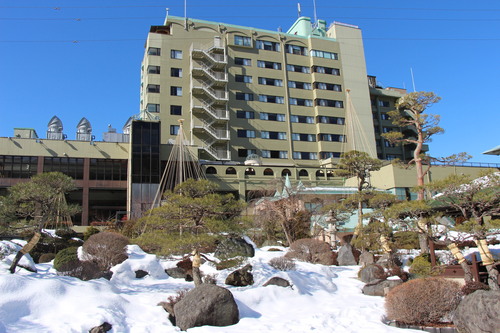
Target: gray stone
[
  {"x": 380, "y": 287},
  {"x": 345, "y": 256},
  {"x": 389, "y": 261},
  {"x": 234, "y": 247},
  {"x": 103, "y": 328},
  {"x": 240, "y": 277},
  {"x": 478, "y": 312},
  {"x": 206, "y": 304},
  {"x": 277, "y": 281},
  {"x": 176, "y": 272},
  {"x": 139, "y": 274},
  {"x": 371, "y": 273},
  {"x": 366, "y": 258}
]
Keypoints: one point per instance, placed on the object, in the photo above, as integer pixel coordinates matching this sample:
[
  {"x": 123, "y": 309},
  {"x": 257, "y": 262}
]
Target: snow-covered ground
[{"x": 323, "y": 299}]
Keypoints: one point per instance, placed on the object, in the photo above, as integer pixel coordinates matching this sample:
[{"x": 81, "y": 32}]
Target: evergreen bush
[
  {"x": 65, "y": 256},
  {"x": 89, "y": 232}
]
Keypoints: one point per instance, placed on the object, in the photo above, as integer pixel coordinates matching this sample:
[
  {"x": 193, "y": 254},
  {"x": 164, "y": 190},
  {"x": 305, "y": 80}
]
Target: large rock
[
  {"x": 206, "y": 304},
  {"x": 345, "y": 256},
  {"x": 240, "y": 277},
  {"x": 234, "y": 247},
  {"x": 380, "y": 287},
  {"x": 478, "y": 312},
  {"x": 372, "y": 272},
  {"x": 178, "y": 273},
  {"x": 277, "y": 281},
  {"x": 103, "y": 328},
  {"x": 366, "y": 258}
]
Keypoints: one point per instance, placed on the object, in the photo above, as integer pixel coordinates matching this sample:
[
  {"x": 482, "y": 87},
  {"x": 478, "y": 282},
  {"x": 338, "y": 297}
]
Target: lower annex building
[{"x": 256, "y": 105}]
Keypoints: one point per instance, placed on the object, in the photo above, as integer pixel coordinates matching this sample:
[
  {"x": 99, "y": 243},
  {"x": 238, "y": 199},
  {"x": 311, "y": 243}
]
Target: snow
[{"x": 321, "y": 299}]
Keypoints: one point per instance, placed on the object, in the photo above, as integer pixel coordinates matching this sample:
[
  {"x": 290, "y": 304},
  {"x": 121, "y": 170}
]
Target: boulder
[
  {"x": 240, "y": 277},
  {"x": 277, "y": 281},
  {"x": 366, "y": 258},
  {"x": 178, "y": 273},
  {"x": 380, "y": 287},
  {"x": 345, "y": 256},
  {"x": 389, "y": 261},
  {"x": 234, "y": 247},
  {"x": 478, "y": 312},
  {"x": 207, "y": 304},
  {"x": 139, "y": 274},
  {"x": 103, "y": 328},
  {"x": 371, "y": 273}
]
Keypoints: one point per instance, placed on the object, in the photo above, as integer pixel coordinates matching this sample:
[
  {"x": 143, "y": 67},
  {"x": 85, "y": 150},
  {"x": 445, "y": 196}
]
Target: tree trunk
[
  {"x": 418, "y": 163},
  {"x": 423, "y": 240},
  {"x": 461, "y": 260},
  {"x": 489, "y": 263},
  {"x": 196, "y": 268},
  {"x": 25, "y": 250},
  {"x": 492, "y": 277}
]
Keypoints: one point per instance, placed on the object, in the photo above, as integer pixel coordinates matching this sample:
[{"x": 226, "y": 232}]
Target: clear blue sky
[{"x": 80, "y": 58}]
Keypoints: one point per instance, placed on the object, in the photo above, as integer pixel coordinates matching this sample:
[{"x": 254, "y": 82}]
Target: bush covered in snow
[
  {"x": 423, "y": 301},
  {"x": 282, "y": 263}
]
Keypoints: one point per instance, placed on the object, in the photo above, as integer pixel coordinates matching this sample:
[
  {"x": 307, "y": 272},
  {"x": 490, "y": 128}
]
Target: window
[
  {"x": 271, "y": 99},
  {"x": 153, "y": 69},
  {"x": 299, "y": 85},
  {"x": 175, "y": 91},
  {"x": 246, "y": 133},
  {"x": 388, "y": 144},
  {"x": 246, "y": 152},
  {"x": 153, "y": 88},
  {"x": 270, "y": 82},
  {"x": 326, "y": 70},
  {"x": 331, "y": 120},
  {"x": 268, "y": 64},
  {"x": 176, "y": 110},
  {"x": 324, "y": 54},
  {"x": 286, "y": 172},
  {"x": 303, "y": 137},
  {"x": 302, "y": 119},
  {"x": 301, "y": 102},
  {"x": 329, "y": 154},
  {"x": 174, "y": 129},
  {"x": 273, "y": 135},
  {"x": 386, "y": 129},
  {"x": 295, "y": 49},
  {"x": 327, "y": 86},
  {"x": 384, "y": 116},
  {"x": 175, "y": 54},
  {"x": 244, "y": 96},
  {"x": 245, "y": 114},
  {"x": 303, "y": 173},
  {"x": 268, "y": 172},
  {"x": 242, "y": 41},
  {"x": 211, "y": 171},
  {"x": 331, "y": 137},
  {"x": 384, "y": 104},
  {"x": 230, "y": 171},
  {"x": 266, "y": 45},
  {"x": 275, "y": 154},
  {"x": 250, "y": 172},
  {"x": 302, "y": 155},
  {"x": 242, "y": 61},
  {"x": 272, "y": 116},
  {"x": 155, "y": 51},
  {"x": 243, "y": 78},
  {"x": 297, "y": 68},
  {"x": 329, "y": 103},
  {"x": 175, "y": 72},
  {"x": 153, "y": 107}
]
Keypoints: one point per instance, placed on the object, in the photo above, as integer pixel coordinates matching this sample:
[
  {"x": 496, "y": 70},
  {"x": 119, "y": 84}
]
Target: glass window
[
  {"x": 299, "y": 85},
  {"x": 328, "y": 86},
  {"x": 329, "y": 103},
  {"x": 273, "y": 135},
  {"x": 267, "y": 45},
  {"x": 326, "y": 70},
  {"x": 175, "y": 91},
  {"x": 242, "y": 41},
  {"x": 244, "y": 96},
  {"x": 153, "y": 69},
  {"x": 324, "y": 54},
  {"x": 246, "y": 133},
  {"x": 272, "y": 116},
  {"x": 243, "y": 78},
  {"x": 268, "y": 64},
  {"x": 245, "y": 114},
  {"x": 175, "y": 72},
  {"x": 270, "y": 82},
  {"x": 154, "y": 51},
  {"x": 174, "y": 129},
  {"x": 175, "y": 54},
  {"x": 301, "y": 101},
  {"x": 302, "y": 119},
  {"x": 176, "y": 110},
  {"x": 271, "y": 99},
  {"x": 275, "y": 154},
  {"x": 331, "y": 120},
  {"x": 153, "y": 107},
  {"x": 297, "y": 68},
  {"x": 243, "y": 61},
  {"x": 295, "y": 49},
  {"x": 153, "y": 88}
]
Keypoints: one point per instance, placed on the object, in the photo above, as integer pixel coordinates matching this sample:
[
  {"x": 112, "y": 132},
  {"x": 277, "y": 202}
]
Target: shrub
[
  {"x": 423, "y": 301},
  {"x": 106, "y": 249},
  {"x": 421, "y": 266},
  {"x": 229, "y": 263},
  {"x": 89, "y": 232},
  {"x": 473, "y": 286},
  {"x": 406, "y": 240},
  {"x": 282, "y": 264},
  {"x": 165, "y": 244},
  {"x": 66, "y": 233},
  {"x": 311, "y": 250},
  {"x": 65, "y": 256},
  {"x": 46, "y": 257},
  {"x": 210, "y": 279}
]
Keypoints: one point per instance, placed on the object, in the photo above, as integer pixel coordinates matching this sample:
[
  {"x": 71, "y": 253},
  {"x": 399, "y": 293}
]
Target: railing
[
  {"x": 214, "y": 57},
  {"x": 221, "y": 154},
  {"x": 220, "y": 134},
  {"x": 215, "y": 113},
  {"x": 215, "y": 94},
  {"x": 216, "y": 76},
  {"x": 468, "y": 164}
]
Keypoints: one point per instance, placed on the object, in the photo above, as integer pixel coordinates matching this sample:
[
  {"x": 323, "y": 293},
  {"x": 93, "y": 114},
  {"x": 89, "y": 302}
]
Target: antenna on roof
[
  {"x": 185, "y": 15},
  {"x": 315, "y": 14},
  {"x": 167, "y": 14},
  {"x": 298, "y": 8}
]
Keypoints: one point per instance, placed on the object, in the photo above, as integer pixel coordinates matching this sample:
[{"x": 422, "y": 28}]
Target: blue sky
[{"x": 80, "y": 58}]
